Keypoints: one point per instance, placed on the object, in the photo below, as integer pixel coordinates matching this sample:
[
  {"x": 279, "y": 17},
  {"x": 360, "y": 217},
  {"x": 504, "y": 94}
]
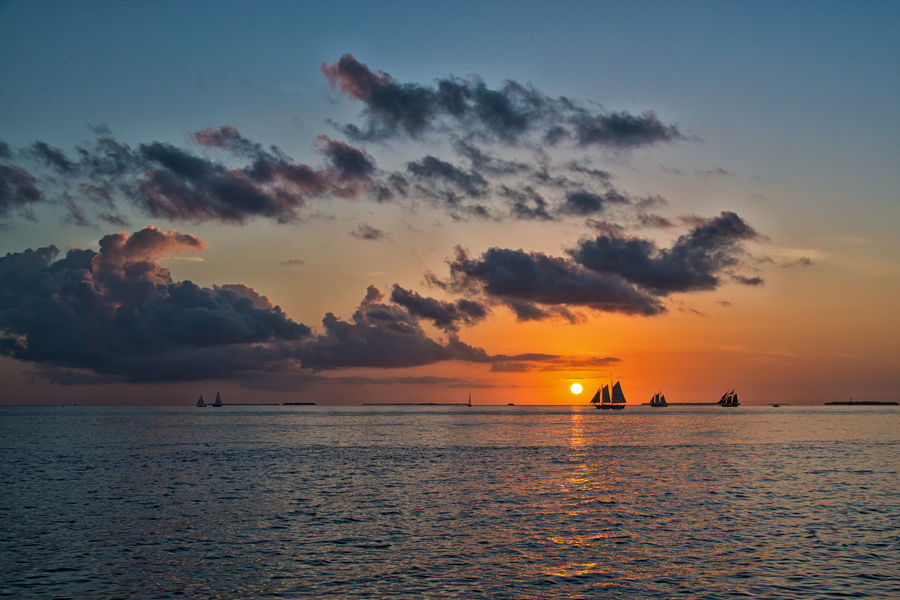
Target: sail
[
  {"x": 200, "y": 401},
  {"x": 596, "y": 397},
  {"x": 617, "y": 396},
  {"x": 605, "y": 394},
  {"x": 218, "y": 401},
  {"x": 662, "y": 400}
]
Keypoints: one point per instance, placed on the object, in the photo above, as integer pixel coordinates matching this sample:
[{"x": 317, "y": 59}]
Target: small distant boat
[
  {"x": 603, "y": 401},
  {"x": 658, "y": 400},
  {"x": 470, "y": 399},
  {"x": 200, "y": 401},
  {"x": 218, "y": 401},
  {"x": 729, "y": 399}
]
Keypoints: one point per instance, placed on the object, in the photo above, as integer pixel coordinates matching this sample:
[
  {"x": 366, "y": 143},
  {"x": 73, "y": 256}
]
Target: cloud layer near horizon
[
  {"x": 117, "y": 314},
  {"x": 609, "y": 273}
]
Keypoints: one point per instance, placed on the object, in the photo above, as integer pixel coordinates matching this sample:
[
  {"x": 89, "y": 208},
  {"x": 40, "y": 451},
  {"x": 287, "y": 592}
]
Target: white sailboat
[{"x": 218, "y": 401}]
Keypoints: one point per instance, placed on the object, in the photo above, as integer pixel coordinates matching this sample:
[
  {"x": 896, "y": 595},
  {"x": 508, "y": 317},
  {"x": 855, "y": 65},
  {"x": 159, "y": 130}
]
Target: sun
[{"x": 576, "y": 388}]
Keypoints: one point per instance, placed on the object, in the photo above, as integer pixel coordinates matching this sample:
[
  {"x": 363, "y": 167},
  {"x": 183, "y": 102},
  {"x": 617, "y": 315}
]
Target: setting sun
[{"x": 576, "y": 388}]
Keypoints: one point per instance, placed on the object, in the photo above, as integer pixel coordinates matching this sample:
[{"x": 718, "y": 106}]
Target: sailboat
[
  {"x": 658, "y": 400},
  {"x": 618, "y": 398},
  {"x": 200, "y": 401},
  {"x": 470, "y": 399},
  {"x": 603, "y": 401},
  {"x": 218, "y": 401},
  {"x": 729, "y": 399},
  {"x": 601, "y": 398}
]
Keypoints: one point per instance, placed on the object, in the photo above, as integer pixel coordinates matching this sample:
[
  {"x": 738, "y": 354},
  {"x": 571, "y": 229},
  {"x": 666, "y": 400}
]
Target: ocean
[{"x": 450, "y": 502}]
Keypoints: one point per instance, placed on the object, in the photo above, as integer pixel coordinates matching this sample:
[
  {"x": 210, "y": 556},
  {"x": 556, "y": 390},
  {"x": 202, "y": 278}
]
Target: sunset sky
[{"x": 404, "y": 202}]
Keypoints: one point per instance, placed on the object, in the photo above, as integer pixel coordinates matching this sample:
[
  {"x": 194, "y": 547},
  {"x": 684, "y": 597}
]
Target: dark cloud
[
  {"x": 383, "y": 336},
  {"x": 439, "y": 172},
  {"x": 18, "y": 190},
  {"x": 751, "y": 281},
  {"x": 803, "y": 261},
  {"x": 485, "y": 162},
  {"x": 445, "y": 315},
  {"x": 117, "y": 312},
  {"x": 528, "y": 282},
  {"x": 508, "y": 114},
  {"x": 605, "y": 227},
  {"x": 597, "y": 174},
  {"x": 584, "y": 203},
  {"x": 349, "y": 162},
  {"x": 52, "y": 157},
  {"x": 165, "y": 180},
  {"x": 367, "y": 232},
  {"x": 186, "y": 187},
  {"x": 654, "y": 221},
  {"x": 692, "y": 263},
  {"x": 526, "y": 203},
  {"x": 228, "y": 138},
  {"x": 623, "y": 130},
  {"x": 714, "y": 172}
]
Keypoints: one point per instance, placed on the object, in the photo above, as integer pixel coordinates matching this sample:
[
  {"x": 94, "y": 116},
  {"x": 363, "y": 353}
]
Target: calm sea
[{"x": 449, "y": 502}]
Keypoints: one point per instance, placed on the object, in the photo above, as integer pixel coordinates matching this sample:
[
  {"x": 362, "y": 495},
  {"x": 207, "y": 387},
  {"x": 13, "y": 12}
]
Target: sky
[{"x": 398, "y": 202}]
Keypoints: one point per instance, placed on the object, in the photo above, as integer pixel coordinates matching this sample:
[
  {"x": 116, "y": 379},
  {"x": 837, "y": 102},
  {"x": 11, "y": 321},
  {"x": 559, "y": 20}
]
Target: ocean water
[{"x": 449, "y": 502}]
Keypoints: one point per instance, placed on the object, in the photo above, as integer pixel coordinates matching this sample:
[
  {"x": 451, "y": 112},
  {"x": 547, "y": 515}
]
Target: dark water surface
[{"x": 449, "y": 502}]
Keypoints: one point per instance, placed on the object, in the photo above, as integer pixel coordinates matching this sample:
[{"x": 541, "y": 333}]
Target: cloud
[
  {"x": 511, "y": 114},
  {"x": 383, "y": 336},
  {"x": 584, "y": 203},
  {"x": 622, "y": 130},
  {"x": 445, "y": 315},
  {"x": 654, "y": 221},
  {"x": 367, "y": 232},
  {"x": 550, "y": 362},
  {"x": 529, "y": 282},
  {"x": 52, "y": 157},
  {"x": 18, "y": 190},
  {"x": 435, "y": 172},
  {"x": 164, "y": 180},
  {"x": 751, "y": 281},
  {"x": 293, "y": 262},
  {"x": 692, "y": 263},
  {"x": 349, "y": 162},
  {"x": 526, "y": 203},
  {"x": 117, "y": 312}
]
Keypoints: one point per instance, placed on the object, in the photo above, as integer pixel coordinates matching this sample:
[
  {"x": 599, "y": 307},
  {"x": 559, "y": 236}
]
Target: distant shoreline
[
  {"x": 414, "y": 404},
  {"x": 861, "y": 403}
]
